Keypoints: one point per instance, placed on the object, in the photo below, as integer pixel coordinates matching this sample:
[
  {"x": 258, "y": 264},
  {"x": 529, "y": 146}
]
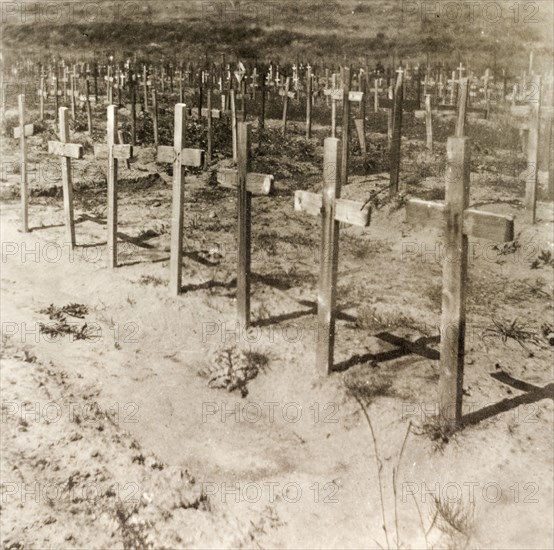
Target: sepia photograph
[{"x": 277, "y": 274}]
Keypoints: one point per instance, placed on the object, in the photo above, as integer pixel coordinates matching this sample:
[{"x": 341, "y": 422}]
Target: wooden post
[
  {"x": 177, "y": 202},
  {"x": 233, "y": 122},
  {"x": 261, "y": 119},
  {"x": 429, "y": 122},
  {"x": 95, "y": 76},
  {"x": 41, "y": 105},
  {"x": 309, "y": 103},
  {"x": 244, "y": 223},
  {"x": 360, "y": 122},
  {"x": 155, "y": 115},
  {"x": 88, "y": 108},
  {"x": 462, "y": 106},
  {"x": 286, "y": 105},
  {"x": 112, "y": 187},
  {"x": 145, "y": 86},
  {"x": 181, "y": 91},
  {"x": 347, "y": 82},
  {"x": 329, "y": 250},
  {"x": 56, "y": 99},
  {"x": 132, "y": 91},
  {"x": 396, "y": 135},
  {"x": 23, "y": 157},
  {"x": 454, "y": 281},
  {"x": 66, "y": 151},
  {"x": 72, "y": 91},
  {"x": 533, "y": 150},
  {"x": 209, "y": 125}
]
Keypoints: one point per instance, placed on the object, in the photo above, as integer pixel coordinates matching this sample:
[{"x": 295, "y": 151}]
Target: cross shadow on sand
[{"x": 532, "y": 395}]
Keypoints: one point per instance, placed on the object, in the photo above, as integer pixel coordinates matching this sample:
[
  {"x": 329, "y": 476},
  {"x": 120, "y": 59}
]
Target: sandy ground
[{"x": 157, "y": 458}]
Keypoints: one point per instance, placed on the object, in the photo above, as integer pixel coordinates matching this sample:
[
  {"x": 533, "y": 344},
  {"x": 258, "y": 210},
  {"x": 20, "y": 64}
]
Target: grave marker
[
  {"x": 247, "y": 183},
  {"x": 24, "y": 130},
  {"x": 66, "y": 151},
  {"x": 115, "y": 152},
  {"x": 459, "y": 222},
  {"x": 332, "y": 210},
  {"x": 180, "y": 157}
]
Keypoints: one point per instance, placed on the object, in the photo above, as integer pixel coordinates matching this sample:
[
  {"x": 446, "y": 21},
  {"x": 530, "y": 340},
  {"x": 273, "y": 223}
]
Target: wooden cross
[
  {"x": 24, "y": 130},
  {"x": 332, "y": 210},
  {"x": 396, "y": 140},
  {"x": 459, "y": 222},
  {"x": 247, "y": 183},
  {"x": 460, "y": 70},
  {"x": 180, "y": 157},
  {"x": 66, "y": 151},
  {"x": 113, "y": 151},
  {"x": 287, "y": 94}
]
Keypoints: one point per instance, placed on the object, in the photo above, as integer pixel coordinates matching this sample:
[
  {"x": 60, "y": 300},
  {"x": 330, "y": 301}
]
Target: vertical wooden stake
[
  {"x": 396, "y": 135},
  {"x": 67, "y": 182},
  {"x": 41, "y": 106},
  {"x": 233, "y": 122},
  {"x": 56, "y": 99},
  {"x": 155, "y": 115},
  {"x": 244, "y": 223},
  {"x": 309, "y": 104},
  {"x": 286, "y": 105},
  {"x": 462, "y": 106},
  {"x": 347, "y": 82},
  {"x": 533, "y": 150},
  {"x": 23, "y": 157},
  {"x": 133, "y": 95},
  {"x": 454, "y": 280},
  {"x": 181, "y": 91},
  {"x": 261, "y": 118},
  {"x": 429, "y": 122},
  {"x": 209, "y": 105},
  {"x": 145, "y": 86},
  {"x": 329, "y": 251},
  {"x": 87, "y": 104},
  {"x": 112, "y": 187},
  {"x": 73, "y": 102},
  {"x": 177, "y": 202}
]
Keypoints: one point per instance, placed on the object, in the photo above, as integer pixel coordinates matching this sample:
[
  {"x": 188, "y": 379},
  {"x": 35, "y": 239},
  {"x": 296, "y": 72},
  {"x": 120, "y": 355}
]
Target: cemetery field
[{"x": 162, "y": 421}]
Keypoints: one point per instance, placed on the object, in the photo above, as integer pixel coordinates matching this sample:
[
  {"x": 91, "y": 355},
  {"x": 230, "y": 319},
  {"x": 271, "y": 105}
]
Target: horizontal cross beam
[
  {"x": 120, "y": 151},
  {"x": 189, "y": 157},
  {"x": 29, "y": 131},
  {"x": 477, "y": 224},
  {"x": 216, "y": 113},
  {"x": 257, "y": 184},
  {"x": 338, "y": 94},
  {"x": 70, "y": 150},
  {"x": 346, "y": 211}
]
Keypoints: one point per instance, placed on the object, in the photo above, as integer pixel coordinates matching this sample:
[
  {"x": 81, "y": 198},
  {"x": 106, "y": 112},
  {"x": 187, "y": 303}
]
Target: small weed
[
  {"x": 545, "y": 259},
  {"x": 232, "y": 369},
  {"x": 151, "y": 280},
  {"x": 455, "y": 519},
  {"x": 438, "y": 432},
  {"x": 513, "y": 330}
]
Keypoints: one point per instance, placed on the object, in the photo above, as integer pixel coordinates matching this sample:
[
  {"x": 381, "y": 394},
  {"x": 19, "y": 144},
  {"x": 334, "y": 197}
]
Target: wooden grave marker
[
  {"x": 247, "y": 183},
  {"x": 332, "y": 210},
  {"x": 459, "y": 222},
  {"x": 66, "y": 151},
  {"x": 180, "y": 157},
  {"x": 21, "y": 132},
  {"x": 113, "y": 151}
]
